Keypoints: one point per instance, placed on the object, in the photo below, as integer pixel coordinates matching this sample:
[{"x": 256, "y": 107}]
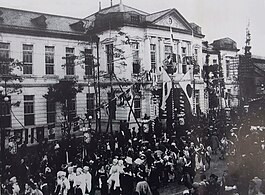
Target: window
[
  {"x": 229, "y": 97},
  {"x": 136, "y": 61},
  {"x": 49, "y": 59},
  {"x": 4, "y": 57},
  {"x": 90, "y": 104},
  {"x": 184, "y": 50},
  {"x": 112, "y": 106},
  {"x": 168, "y": 51},
  {"x": 153, "y": 56},
  {"x": 89, "y": 62},
  {"x": 135, "y": 19},
  {"x": 227, "y": 68},
  {"x": 70, "y": 64},
  {"x": 51, "y": 111},
  {"x": 110, "y": 59},
  {"x": 27, "y": 58},
  {"x": 185, "y": 62},
  {"x": 197, "y": 99},
  {"x": 214, "y": 61},
  {"x": 137, "y": 106},
  {"x": 5, "y": 112},
  {"x": 196, "y": 55},
  {"x": 71, "y": 109},
  {"x": 29, "y": 116}
]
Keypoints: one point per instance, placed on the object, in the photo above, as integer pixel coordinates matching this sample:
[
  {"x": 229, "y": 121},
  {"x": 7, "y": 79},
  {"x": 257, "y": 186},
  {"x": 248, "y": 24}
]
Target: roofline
[
  {"x": 116, "y": 6},
  {"x": 159, "y": 11},
  {"x": 174, "y": 9},
  {"x": 42, "y": 13}
]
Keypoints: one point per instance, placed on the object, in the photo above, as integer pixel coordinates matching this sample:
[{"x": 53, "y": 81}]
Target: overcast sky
[{"x": 218, "y": 18}]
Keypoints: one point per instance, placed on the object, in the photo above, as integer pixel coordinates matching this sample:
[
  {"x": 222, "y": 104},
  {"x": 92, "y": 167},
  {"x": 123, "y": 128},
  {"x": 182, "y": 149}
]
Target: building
[
  {"x": 42, "y": 42},
  {"x": 137, "y": 45},
  {"x": 251, "y": 77},
  {"x": 121, "y": 71},
  {"x": 221, "y": 73}
]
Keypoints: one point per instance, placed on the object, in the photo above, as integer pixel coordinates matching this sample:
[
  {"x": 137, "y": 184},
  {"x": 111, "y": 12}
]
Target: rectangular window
[
  {"x": 153, "y": 56},
  {"x": 184, "y": 50},
  {"x": 29, "y": 116},
  {"x": 5, "y": 112},
  {"x": 137, "y": 106},
  {"x": 214, "y": 61},
  {"x": 51, "y": 111},
  {"x": 49, "y": 59},
  {"x": 27, "y": 58},
  {"x": 90, "y": 104},
  {"x": 227, "y": 68},
  {"x": 136, "y": 61},
  {"x": 70, "y": 64},
  {"x": 89, "y": 62},
  {"x": 197, "y": 99},
  {"x": 4, "y": 58},
  {"x": 168, "y": 51},
  {"x": 110, "y": 58},
  {"x": 112, "y": 106}
]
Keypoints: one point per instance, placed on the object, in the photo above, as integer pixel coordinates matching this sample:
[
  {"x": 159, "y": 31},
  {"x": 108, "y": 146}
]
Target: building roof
[
  {"x": 225, "y": 44},
  {"x": 116, "y": 8},
  {"x": 152, "y": 17},
  {"x": 22, "y": 19},
  {"x": 260, "y": 66}
]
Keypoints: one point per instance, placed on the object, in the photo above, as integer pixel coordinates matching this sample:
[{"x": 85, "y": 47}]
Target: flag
[
  {"x": 166, "y": 88},
  {"x": 186, "y": 85}
]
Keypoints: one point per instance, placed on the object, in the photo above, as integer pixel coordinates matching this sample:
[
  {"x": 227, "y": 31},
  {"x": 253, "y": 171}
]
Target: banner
[
  {"x": 186, "y": 85},
  {"x": 166, "y": 88}
]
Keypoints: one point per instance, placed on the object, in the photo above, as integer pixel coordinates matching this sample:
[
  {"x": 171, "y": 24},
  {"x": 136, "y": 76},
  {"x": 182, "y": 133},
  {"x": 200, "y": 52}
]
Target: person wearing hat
[
  {"x": 87, "y": 180},
  {"x": 63, "y": 184},
  {"x": 114, "y": 179},
  {"x": 15, "y": 186}
]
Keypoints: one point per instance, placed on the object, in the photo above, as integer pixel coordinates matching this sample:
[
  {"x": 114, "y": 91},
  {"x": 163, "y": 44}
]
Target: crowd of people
[{"x": 125, "y": 162}]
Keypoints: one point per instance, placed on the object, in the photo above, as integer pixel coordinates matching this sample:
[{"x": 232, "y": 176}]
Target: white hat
[
  {"x": 13, "y": 179},
  {"x": 61, "y": 173},
  {"x": 86, "y": 168},
  {"x": 128, "y": 160}
]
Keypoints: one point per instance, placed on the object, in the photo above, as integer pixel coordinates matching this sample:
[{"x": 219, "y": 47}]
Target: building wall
[{"x": 38, "y": 82}]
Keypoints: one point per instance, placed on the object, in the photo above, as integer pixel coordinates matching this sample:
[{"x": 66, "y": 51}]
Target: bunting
[{"x": 166, "y": 88}]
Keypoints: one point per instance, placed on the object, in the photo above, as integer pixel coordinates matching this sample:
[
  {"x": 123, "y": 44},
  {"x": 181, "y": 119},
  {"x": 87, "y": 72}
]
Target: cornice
[{"x": 43, "y": 33}]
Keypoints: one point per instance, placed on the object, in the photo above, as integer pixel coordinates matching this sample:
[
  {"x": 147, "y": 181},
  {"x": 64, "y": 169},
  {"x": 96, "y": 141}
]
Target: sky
[{"x": 218, "y": 18}]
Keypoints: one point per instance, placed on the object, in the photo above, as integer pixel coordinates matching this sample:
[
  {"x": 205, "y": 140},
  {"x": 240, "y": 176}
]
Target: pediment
[{"x": 174, "y": 19}]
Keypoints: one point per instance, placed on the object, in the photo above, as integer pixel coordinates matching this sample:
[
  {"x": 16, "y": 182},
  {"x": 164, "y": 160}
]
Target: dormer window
[
  {"x": 40, "y": 21},
  {"x": 135, "y": 19},
  {"x": 78, "y": 26}
]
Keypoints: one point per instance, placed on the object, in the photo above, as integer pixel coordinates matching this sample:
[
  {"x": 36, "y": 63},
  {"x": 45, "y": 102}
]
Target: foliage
[{"x": 62, "y": 91}]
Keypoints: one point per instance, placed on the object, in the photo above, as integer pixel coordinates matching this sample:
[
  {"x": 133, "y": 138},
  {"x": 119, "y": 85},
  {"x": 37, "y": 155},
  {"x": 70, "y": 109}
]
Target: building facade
[{"x": 121, "y": 80}]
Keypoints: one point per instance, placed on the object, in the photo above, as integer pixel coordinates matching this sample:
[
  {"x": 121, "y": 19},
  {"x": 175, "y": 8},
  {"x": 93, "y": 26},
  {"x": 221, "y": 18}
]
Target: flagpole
[{"x": 130, "y": 105}]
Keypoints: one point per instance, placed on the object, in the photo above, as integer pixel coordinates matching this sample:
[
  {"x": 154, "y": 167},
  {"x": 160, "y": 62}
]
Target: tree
[
  {"x": 9, "y": 83},
  {"x": 64, "y": 93}
]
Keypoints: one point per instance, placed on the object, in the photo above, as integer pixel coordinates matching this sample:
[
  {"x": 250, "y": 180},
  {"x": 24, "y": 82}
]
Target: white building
[{"x": 132, "y": 42}]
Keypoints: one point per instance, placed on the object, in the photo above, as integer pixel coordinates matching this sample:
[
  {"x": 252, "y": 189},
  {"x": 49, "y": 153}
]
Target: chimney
[
  {"x": 121, "y": 6},
  {"x": 111, "y": 3},
  {"x": 99, "y": 6}
]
